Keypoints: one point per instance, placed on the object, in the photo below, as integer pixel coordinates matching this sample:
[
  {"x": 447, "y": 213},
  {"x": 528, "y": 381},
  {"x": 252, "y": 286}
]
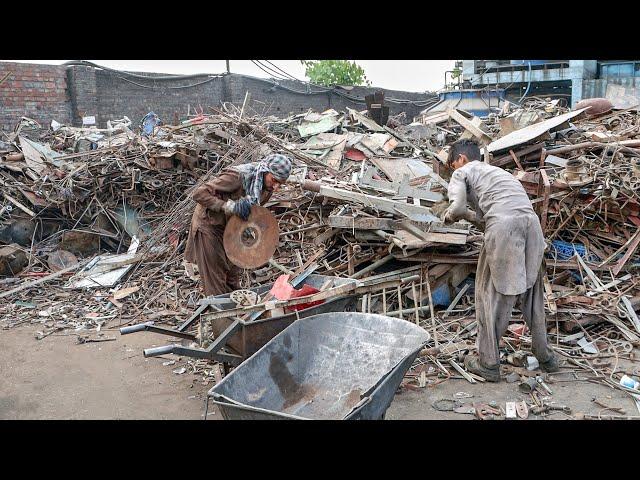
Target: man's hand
[
  {"x": 440, "y": 207},
  {"x": 240, "y": 208},
  {"x": 447, "y": 216},
  {"x": 473, "y": 218}
]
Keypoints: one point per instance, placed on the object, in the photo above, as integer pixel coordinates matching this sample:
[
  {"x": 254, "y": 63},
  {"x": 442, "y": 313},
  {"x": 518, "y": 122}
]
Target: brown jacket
[{"x": 211, "y": 197}]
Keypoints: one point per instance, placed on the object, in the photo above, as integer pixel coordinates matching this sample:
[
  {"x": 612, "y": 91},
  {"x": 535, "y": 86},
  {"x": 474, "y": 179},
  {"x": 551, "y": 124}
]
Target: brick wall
[
  {"x": 118, "y": 96},
  {"x": 66, "y": 94},
  {"x": 83, "y": 93},
  {"x": 35, "y": 91}
]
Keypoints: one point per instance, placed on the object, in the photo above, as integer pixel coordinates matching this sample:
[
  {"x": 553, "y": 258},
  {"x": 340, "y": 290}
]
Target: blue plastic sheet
[
  {"x": 564, "y": 251},
  {"x": 149, "y": 122}
]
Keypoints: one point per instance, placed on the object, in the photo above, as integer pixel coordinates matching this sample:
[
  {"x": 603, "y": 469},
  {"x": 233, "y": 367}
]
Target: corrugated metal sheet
[
  {"x": 623, "y": 97},
  {"x": 598, "y": 88},
  {"x": 476, "y": 102},
  {"x": 531, "y": 132}
]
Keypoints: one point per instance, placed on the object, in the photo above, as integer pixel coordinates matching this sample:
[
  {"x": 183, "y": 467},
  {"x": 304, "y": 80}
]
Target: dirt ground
[
  {"x": 56, "y": 378},
  {"x": 410, "y": 405}
]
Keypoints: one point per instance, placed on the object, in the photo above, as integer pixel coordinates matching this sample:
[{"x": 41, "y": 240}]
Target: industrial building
[{"x": 572, "y": 80}]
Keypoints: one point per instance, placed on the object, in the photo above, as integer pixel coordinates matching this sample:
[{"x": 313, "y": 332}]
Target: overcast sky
[{"x": 408, "y": 75}]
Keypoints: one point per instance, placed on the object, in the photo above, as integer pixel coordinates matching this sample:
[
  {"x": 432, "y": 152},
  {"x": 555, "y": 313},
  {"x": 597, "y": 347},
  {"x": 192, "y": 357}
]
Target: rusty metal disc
[
  {"x": 251, "y": 244},
  {"x": 61, "y": 259}
]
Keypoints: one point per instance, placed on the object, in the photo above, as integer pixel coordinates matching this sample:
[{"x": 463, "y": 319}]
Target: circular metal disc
[
  {"x": 61, "y": 259},
  {"x": 251, "y": 244}
]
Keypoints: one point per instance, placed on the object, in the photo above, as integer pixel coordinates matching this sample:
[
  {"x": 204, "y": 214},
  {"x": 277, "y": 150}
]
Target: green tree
[{"x": 335, "y": 72}]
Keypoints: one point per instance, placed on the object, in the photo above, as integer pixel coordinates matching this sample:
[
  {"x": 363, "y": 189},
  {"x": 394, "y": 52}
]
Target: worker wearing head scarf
[
  {"x": 279, "y": 166},
  {"x": 510, "y": 265},
  {"x": 232, "y": 192}
]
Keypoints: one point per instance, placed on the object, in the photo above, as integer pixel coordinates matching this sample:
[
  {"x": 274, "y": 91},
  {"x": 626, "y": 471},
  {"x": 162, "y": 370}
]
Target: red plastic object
[
  {"x": 517, "y": 329},
  {"x": 282, "y": 290},
  {"x": 354, "y": 154}
]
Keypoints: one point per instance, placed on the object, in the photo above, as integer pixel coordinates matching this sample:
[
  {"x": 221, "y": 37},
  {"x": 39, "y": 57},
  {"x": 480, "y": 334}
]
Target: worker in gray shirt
[{"x": 510, "y": 266}]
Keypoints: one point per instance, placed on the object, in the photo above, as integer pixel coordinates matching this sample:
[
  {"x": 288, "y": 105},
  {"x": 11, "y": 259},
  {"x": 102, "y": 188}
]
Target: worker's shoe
[
  {"x": 550, "y": 365},
  {"x": 474, "y": 365}
]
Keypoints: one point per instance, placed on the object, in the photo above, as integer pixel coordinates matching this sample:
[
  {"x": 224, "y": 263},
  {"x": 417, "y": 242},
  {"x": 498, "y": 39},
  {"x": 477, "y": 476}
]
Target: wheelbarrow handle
[
  {"x": 153, "y": 352},
  {"x": 141, "y": 327}
]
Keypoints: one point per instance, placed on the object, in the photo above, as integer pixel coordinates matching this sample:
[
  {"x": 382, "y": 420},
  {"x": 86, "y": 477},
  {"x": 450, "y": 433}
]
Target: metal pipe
[
  {"x": 373, "y": 266},
  {"x": 141, "y": 327},
  {"x": 150, "y": 327},
  {"x": 408, "y": 311},
  {"x": 154, "y": 352},
  {"x": 12, "y": 157}
]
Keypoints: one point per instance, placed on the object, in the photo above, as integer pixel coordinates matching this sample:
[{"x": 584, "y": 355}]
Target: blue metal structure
[{"x": 532, "y": 62}]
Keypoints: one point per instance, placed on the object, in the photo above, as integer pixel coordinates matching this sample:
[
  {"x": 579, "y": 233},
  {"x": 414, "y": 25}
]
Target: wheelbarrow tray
[
  {"x": 255, "y": 334},
  {"x": 328, "y": 366}
]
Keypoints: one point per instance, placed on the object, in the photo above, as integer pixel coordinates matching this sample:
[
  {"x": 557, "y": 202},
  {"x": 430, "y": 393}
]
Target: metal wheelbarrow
[
  {"x": 235, "y": 339},
  {"x": 331, "y": 366}
]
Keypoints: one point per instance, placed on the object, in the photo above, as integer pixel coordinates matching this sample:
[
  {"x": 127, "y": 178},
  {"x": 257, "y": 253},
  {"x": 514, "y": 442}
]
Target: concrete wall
[
  {"x": 173, "y": 99},
  {"x": 597, "y": 88},
  {"x": 66, "y": 94},
  {"x": 35, "y": 91}
]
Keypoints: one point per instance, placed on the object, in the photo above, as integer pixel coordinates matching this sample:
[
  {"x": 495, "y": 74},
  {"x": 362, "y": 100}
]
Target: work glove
[{"x": 240, "y": 208}]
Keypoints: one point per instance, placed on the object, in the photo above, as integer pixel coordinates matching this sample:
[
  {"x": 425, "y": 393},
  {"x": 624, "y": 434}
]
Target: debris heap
[{"x": 94, "y": 221}]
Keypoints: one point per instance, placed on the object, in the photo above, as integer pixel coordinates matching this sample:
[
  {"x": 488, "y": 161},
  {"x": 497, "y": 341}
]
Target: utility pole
[{"x": 228, "y": 71}]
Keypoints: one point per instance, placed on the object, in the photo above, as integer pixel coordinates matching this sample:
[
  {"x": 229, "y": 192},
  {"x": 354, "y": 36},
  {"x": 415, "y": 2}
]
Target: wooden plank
[
  {"x": 515, "y": 159},
  {"x": 474, "y": 121},
  {"x": 545, "y": 201},
  {"x": 553, "y": 308},
  {"x": 469, "y": 126}
]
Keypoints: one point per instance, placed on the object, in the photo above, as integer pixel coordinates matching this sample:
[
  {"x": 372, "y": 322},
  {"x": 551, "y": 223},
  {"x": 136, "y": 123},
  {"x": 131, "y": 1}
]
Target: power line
[
  {"x": 278, "y": 68},
  {"x": 86, "y": 63},
  {"x": 271, "y": 73}
]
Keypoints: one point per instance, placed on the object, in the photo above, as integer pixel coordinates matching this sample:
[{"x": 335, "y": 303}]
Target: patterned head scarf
[{"x": 253, "y": 174}]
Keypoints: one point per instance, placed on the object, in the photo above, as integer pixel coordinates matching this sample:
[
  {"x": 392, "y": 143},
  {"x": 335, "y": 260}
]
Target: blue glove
[{"x": 242, "y": 208}]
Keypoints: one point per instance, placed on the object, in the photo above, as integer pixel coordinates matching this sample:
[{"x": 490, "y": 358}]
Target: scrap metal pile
[{"x": 363, "y": 202}]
